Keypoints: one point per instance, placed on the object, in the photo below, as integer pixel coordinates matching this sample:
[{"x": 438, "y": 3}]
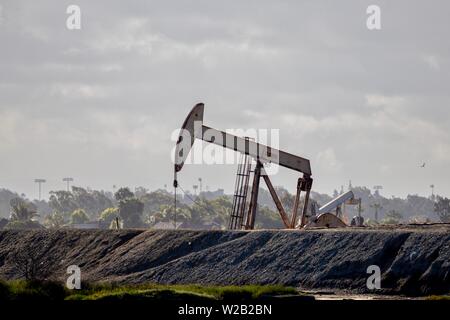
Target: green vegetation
[
  {"x": 142, "y": 208},
  {"x": 392, "y": 217},
  {"x": 442, "y": 209},
  {"x": 54, "y": 220},
  {"x": 103, "y": 291},
  {"x": 109, "y": 214},
  {"x": 79, "y": 216},
  {"x": 22, "y": 290},
  {"x": 439, "y": 298},
  {"x": 23, "y": 225},
  {"x": 22, "y": 210},
  {"x": 22, "y": 214},
  {"x": 93, "y": 202},
  {"x": 31, "y": 290},
  {"x": 130, "y": 208}
]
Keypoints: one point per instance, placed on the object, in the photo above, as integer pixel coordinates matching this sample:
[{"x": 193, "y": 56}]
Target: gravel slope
[{"x": 413, "y": 261}]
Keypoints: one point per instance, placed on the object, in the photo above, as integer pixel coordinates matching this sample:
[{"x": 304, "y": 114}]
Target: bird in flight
[{"x": 423, "y": 165}]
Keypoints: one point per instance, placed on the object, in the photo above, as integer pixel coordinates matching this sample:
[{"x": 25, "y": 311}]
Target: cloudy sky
[{"x": 100, "y": 104}]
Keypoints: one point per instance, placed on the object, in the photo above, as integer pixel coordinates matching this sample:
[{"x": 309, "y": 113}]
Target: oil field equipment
[
  {"x": 254, "y": 156},
  {"x": 331, "y": 214}
]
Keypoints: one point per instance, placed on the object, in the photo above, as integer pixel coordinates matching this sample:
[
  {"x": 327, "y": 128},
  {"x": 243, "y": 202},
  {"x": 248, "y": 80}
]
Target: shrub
[
  {"x": 54, "y": 220},
  {"x": 32, "y": 290},
  {"x": 442, "y": 209},
  {"x": 108, "y": 215},
  {"x": 29, "y": 264},
  {"x": 79, "y": 216}
]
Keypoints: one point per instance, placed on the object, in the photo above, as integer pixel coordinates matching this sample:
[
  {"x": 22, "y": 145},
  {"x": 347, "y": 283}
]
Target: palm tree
[{"x": 21, "y": 211}]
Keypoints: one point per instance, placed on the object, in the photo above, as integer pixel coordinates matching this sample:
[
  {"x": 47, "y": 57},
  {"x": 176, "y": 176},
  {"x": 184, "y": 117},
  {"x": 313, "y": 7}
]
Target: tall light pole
[
  {"x": 40, "y": 182},
  {"x": 432, "y": 191},
  {"x": 68, "y": 180},
  {"x": 377, "y": 189},
  {"x": 377, "y": 207},
  {"x": 200, "y": 185}
]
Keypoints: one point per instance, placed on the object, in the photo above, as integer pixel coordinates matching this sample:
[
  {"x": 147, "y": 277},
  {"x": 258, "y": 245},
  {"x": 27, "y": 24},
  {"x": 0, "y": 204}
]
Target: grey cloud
[{"x": 106, "y": 98}]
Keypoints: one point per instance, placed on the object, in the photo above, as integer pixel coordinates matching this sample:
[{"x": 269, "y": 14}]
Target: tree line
[{"x": 146, "y": 209}]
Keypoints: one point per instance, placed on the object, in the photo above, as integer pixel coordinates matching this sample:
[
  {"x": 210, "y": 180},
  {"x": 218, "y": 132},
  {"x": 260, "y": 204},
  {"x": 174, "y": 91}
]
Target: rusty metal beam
[
  {"x": 254, "y": 197},
  {"x": 296, "y": 202},
  {"x": 306, "y": 185},
  {"x": 277, "y": 201},
  {"x": 193, "y": 128}
]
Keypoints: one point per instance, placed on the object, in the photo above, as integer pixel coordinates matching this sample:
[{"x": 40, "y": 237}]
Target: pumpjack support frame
[{"x": 193, "y": 128}]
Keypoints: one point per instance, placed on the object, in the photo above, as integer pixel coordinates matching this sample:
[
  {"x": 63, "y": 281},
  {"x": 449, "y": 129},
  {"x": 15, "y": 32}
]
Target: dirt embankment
[{"x": 412, "y": 261}]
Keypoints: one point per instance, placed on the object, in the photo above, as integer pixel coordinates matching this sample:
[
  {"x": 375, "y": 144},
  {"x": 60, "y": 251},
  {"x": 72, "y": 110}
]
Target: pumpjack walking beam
[{"x": 193, "y": 128}]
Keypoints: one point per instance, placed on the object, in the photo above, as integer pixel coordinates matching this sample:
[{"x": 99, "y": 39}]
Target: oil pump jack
[{"x": 243, "y": 215}]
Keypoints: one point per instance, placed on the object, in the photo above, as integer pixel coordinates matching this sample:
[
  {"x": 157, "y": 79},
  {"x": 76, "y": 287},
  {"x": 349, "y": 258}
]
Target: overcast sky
[{"x": 99, "y": 104}]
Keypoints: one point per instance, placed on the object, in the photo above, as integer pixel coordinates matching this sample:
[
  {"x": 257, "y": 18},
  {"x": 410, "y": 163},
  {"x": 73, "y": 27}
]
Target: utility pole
[
  {"x": 200, "y": 186},
  {"x": 377, "y": 207},
  {"x": 195, "y": 187},
  {"x": 68, "y": 181},
  {"x": 40, "y": 182},
  {"x": 432, "y": 191}
]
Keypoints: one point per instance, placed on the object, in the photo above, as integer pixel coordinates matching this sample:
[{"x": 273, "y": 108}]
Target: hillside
[{"x": 413, "y": 260}]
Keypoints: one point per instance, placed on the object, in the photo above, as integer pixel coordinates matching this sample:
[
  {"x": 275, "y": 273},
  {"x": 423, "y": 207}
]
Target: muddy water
[{"x": 348, "y": 296}]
